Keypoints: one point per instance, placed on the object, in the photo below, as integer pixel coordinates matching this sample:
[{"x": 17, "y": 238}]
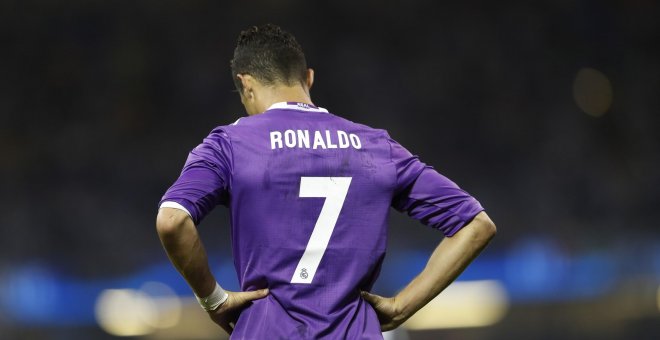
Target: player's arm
[
  {"x": 200, "y": 187},
  {"x": 436, "y": 201},
  {"x": 448, "y": 260},
  {"x": 185, "y": 250}
]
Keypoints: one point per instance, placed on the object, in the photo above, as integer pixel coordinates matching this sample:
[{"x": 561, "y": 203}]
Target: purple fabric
[{"x": 255, "y": 167}]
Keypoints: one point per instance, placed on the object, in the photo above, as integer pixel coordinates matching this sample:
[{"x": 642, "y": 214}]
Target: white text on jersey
[{"x": 315, "y": 140}]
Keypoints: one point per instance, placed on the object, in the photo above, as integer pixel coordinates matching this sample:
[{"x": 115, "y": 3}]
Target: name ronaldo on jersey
[{"x": 315, "y": 140}]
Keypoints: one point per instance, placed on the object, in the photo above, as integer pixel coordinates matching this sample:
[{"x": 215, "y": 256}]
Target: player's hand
[
  {"x": 227, "y": 314},
  {"x": 387, "y": 310}
]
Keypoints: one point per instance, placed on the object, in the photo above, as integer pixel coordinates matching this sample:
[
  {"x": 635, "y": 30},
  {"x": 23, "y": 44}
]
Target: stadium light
[
  {"x": 592, "y": 91},
  {"x": 132, "y": 312},
  {"x": 125, "y": 312}
]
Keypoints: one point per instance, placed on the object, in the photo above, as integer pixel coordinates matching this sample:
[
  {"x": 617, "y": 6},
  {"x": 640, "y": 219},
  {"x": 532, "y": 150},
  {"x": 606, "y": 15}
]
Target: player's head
[{"x": 267, "y": 57}]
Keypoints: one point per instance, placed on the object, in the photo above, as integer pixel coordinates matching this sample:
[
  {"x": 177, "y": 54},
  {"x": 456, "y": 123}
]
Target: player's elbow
[
  {"x": 170, "y": 222},
  {"x": 487, "y": 228},
  {"x": 484, "y": 228}
]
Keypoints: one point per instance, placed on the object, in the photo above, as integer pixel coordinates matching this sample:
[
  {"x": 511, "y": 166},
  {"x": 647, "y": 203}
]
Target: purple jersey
[{"x": 309, "y": 195}]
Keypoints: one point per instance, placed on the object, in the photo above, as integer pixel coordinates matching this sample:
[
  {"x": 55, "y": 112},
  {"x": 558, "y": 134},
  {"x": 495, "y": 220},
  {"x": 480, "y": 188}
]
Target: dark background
[{"x": 100, "y": 102}]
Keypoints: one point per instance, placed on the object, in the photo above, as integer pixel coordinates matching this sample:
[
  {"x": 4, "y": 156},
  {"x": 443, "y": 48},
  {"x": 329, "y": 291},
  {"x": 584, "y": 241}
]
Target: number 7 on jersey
[{"x": 334, "y": 189}]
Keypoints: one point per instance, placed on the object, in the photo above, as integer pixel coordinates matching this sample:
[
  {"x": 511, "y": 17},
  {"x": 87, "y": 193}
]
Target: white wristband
[{"x": 213, "y": 301}]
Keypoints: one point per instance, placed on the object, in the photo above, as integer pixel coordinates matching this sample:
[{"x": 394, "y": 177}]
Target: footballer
[{"x": 309, "y": 195}]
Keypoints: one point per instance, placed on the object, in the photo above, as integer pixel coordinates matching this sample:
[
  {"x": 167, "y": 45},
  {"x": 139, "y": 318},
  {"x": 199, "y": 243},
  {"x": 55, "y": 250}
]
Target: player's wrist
[
  {"x": 214, "y": 300},
  {"x": 404, "y": 306},
  {"x": 399, "y": 310}
]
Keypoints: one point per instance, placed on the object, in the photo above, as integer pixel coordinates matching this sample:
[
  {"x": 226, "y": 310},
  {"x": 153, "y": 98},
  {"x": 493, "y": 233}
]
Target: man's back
[
  {"x": 309, "y": 199},
  {"x": 309, "y": 195}
]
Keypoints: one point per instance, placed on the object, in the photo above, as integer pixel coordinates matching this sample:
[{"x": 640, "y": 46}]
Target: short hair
[{"x": 269, "y": 54}]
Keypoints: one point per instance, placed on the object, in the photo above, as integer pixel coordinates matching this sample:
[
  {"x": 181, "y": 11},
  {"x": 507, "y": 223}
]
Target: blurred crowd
[{"x": 100, "y": 103}]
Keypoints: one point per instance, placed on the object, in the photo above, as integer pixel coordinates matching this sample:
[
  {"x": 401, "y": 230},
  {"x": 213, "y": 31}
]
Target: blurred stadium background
[{"x": 547, "y": 111}]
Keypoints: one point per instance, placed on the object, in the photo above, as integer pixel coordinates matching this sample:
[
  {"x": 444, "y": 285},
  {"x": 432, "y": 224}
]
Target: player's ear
[
  {"x": 247, "y": 85},
  {"x": 310, "y": 78}
]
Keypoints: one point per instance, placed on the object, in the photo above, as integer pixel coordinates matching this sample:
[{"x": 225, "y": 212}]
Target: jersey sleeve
[
  {"x": 204, "y": 180},
  {"x": 428, "y": 196}
]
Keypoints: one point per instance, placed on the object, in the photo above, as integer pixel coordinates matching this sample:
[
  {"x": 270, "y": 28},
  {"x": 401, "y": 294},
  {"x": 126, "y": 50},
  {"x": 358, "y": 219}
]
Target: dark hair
[{"x": 269, "y": 54}]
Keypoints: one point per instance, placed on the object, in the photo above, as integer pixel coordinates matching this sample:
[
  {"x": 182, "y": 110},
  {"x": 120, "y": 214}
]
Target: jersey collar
[{"x": 296, "y": 106}]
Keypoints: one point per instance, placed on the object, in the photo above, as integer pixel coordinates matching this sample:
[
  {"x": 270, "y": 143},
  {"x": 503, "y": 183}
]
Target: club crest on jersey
[
  {"x": 303, "y": 274},
  {"x": 305, "y": 139}
]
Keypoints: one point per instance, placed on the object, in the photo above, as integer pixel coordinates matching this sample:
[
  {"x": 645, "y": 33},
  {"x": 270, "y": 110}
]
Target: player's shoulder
[
  {"x": 361, "y": 126},
  {"x": 238, "y": 124},
  {"x": 246, "y": 121}
]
